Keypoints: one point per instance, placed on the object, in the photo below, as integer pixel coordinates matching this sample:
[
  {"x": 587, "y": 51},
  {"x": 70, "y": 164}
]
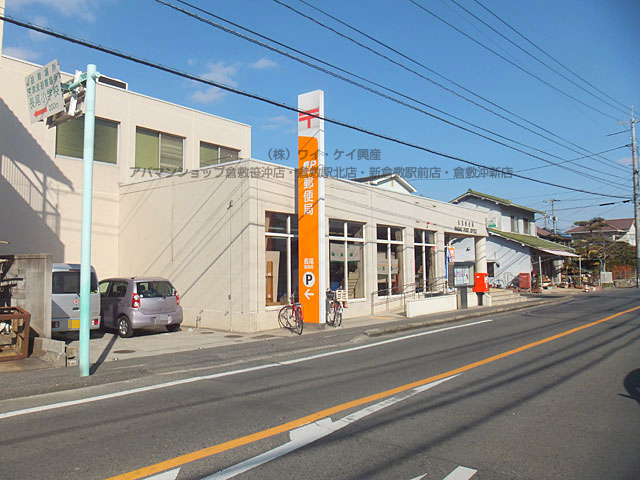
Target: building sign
[
  {"x": 465, "y": 226},
  {"x": 44, "y": 92},
  {"x": 310, "y": 207}
]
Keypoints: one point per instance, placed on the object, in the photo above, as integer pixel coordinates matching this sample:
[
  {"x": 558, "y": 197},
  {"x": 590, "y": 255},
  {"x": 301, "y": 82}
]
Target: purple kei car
[{"x": 128, "y": 304}]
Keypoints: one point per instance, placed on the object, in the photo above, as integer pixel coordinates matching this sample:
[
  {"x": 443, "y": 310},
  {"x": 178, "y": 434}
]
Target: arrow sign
[
  {"x": 170, "y": 475},
  {"x": 40, "y": 112},
  {"x": 308, "y": 294}
]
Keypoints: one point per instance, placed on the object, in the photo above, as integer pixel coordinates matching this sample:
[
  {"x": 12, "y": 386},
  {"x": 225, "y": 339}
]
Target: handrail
[{"x": 433, "y": 286}]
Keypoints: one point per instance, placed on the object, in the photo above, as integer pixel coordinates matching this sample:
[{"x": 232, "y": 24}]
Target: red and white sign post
[{"x": 312, "y": 256}]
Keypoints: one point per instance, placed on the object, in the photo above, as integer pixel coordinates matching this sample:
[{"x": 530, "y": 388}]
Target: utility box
[
  {"x": 524, "y": 280},
  {"x": 481, "y": 283}
]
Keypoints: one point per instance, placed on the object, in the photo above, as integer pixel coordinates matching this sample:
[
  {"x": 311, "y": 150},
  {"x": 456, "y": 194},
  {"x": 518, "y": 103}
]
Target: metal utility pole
[
  {"x": 634, "y": 156},
  {"x": 554, "y": 219}
]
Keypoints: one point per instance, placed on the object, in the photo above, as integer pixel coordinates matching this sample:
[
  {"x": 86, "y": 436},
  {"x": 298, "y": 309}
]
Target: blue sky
[{"x": 595, "y": 39}]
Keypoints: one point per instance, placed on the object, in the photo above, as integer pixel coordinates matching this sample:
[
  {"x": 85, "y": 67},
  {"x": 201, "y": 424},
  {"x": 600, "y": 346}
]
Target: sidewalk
[{"x": 108, "y": 346}]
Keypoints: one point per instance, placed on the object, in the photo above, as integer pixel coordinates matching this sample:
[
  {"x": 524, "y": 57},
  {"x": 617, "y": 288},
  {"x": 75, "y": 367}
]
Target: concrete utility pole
[
  {"x": 554, "y": 219},
  {"x": 634, "y": 156},
  {"x": 1, "y": 24}
]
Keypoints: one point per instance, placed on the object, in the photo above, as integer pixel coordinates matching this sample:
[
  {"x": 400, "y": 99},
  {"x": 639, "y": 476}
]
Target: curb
[{"x": 376, "y": 332}]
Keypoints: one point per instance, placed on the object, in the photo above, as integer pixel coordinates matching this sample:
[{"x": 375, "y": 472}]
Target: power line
[
  {"x": 365, "y": 87},
  {"x": 512, "y": 63},
  {"x": 534, "y": 57},
  {"x": 351, "y": 27},
  {"x": 269, "y": 101},
  {"x": 548, "y": 55},
  {"x": 592, "y": 205},
  {"x": 574, "y": 159}
]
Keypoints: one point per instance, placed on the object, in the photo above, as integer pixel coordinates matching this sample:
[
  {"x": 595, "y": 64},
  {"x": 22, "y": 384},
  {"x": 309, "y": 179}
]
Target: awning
[{"x": 559, "y": 253}]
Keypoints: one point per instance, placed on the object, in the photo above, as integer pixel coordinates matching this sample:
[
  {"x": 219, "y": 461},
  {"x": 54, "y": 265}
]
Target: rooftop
[
  {"x": 492, "y": 198},
  {"x": 613, "y": 225},
  {"x": 530, "y": 241}
]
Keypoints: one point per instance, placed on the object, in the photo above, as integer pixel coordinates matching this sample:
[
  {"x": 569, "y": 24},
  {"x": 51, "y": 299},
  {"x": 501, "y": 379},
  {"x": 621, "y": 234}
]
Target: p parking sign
[{"x": 44, "y": 92}]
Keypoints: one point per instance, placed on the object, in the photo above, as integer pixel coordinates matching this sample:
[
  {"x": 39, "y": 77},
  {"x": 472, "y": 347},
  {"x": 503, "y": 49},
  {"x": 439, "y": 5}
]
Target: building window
[
  {"x": 211, "y": 154},
  {"x": 281, "y": 257},
  {"x": 158, "y": 151},
  {"x": 525, "y": 226},
  {"x": 389, "y": 258},
  {"x": 70, "y": 140},
  {"x": 491, "y": 270},
  {"x": 346, "y": 257},
  {"x": 424, "y": 244},
  {"x": 514, "y": 224}
]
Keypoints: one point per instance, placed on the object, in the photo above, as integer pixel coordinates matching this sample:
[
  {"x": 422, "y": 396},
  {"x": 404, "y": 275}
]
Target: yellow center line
[{"x": 269, "y": 432}]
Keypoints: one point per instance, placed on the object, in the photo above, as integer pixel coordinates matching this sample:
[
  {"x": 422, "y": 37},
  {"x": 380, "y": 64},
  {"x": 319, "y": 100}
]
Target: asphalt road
[{"x": 482, "y": 399}]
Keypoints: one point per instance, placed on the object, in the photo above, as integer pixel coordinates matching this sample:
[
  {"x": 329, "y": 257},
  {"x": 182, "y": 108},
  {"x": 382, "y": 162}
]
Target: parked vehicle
[
  {"x": 128, "y": 304},
  {"x": 65, "y": 298}
]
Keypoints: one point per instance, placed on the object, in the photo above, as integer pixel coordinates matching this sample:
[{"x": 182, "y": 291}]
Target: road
[{"x": 547, "y": 393}]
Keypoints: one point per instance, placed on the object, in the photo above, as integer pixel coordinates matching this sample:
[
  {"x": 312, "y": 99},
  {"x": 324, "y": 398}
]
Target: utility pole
[
  {"x": 1, "y": 24},
  {"x": 634, "y": 156},
  {"x": 554, "y": 219}
]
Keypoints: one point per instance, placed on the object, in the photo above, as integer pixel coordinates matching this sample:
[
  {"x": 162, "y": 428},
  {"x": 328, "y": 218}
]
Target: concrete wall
[
  {"x": 425, "y": 306},
  {"x": 201, "y": 234},
  {"x": 32, "y": 276},
  {"x": 41, "y": 193}
]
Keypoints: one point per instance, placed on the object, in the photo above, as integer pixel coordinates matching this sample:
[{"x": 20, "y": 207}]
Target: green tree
[{"x": 596, "y": 246}]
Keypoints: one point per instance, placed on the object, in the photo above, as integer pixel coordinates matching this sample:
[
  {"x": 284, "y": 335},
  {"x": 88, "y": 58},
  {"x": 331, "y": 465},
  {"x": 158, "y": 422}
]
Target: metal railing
[
  {"x": 504, "y": 280},
  {"x": 386, "y": 296}
]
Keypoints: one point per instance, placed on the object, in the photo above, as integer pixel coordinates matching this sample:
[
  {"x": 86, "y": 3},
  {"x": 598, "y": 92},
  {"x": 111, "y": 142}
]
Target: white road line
[
  {"x": 461, "y": 473},
  {"x": 213, "y": 376},
  {"x": 307, "y": 434},
  {"x": 420, "y": 477},
  {"x": 123, "y": 393}
]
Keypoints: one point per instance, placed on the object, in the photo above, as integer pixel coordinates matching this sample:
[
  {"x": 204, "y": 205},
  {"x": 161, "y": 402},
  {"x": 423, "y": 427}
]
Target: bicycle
[
  {"x": 337, "y": 302},
  {"x": 291, "y": 316}
]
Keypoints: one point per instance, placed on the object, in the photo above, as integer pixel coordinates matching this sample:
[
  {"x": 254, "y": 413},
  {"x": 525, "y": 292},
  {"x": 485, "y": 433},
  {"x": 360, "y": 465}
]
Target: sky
[{"x": 462, "y": 89}]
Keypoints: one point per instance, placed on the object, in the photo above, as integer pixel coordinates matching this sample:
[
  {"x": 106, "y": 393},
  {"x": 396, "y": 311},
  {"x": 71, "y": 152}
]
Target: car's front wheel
[
  {"x": 173, "y": 328},
  {"x": 124, "y": 327}
]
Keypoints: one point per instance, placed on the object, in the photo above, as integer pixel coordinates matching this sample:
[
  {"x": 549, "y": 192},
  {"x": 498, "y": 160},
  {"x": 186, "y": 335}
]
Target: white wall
[
  {"x": 511, "y": 257},
  {"x": 41, "y": 193}
]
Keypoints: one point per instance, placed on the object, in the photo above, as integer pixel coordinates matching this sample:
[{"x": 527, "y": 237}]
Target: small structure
[{"x": 513, "y": 247}]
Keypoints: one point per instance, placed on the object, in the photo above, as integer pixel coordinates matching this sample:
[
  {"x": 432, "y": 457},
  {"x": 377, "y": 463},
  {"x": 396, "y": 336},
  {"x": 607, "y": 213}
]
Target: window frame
[
  {"x": 424, "y": 244},
  {"x": 160, "y": 134},
  {"x": 289, "y": 235},
  {"x": 81, "y": 157},
  {"x": 219, "y": 148},
  {"x": 388, "y": 242},
  {"x": 346, "y": 239}
]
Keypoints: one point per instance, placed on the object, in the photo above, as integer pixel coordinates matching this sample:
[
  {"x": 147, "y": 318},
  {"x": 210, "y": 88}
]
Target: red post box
[{"x": 481, "y": 283}]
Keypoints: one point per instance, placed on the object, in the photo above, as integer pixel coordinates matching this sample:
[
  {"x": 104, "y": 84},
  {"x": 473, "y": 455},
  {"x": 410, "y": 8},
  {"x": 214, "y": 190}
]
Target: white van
[{"x": 65, "y": 298}]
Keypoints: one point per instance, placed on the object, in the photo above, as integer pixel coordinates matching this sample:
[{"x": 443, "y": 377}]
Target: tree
[{"x": 596, "y": 246}]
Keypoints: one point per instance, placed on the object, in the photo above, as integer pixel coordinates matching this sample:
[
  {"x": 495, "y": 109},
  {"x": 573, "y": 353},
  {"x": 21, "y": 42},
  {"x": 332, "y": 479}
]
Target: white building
[
  {"x": 614, "y": 230},
  {"x": 513, "y": 246},
  {"x": 176, "y": 194}
]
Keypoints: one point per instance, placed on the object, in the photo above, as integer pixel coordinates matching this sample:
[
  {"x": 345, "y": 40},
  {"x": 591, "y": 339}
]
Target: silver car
[
  {"x": 128, "y": 304},
  {"x": 65, "y": 298}
]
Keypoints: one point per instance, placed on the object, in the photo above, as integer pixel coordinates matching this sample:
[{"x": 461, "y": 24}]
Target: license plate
[{"x": 162, "y": 319}]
